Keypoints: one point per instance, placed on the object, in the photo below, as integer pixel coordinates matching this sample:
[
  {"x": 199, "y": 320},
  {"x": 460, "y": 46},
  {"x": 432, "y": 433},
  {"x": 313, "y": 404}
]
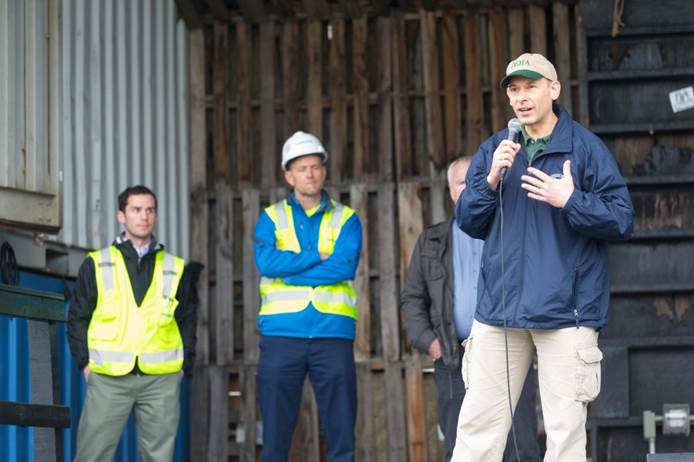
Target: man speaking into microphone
[{"x": 546, "y": 205}]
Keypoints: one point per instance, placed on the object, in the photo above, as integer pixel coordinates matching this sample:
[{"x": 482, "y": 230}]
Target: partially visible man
[
  {"x": 438, "y": 301},
  {"x": 307, "y": 250},
  {"x": 547, "y": 207},
  {"x": 131, "y": 330}
]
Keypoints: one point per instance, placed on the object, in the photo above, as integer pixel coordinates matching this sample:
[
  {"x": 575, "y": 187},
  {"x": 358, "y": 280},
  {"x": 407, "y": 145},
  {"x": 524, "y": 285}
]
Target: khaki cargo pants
[{"x": 568, "y": 375}]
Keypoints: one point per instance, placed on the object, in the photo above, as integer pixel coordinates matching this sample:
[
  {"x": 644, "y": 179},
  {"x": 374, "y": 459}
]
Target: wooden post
[
  {"x": 401, "y": 99},
  {"x": 538, "y": 31},
  {"x": 451, "y": 81},
  {"x": 338, "y": 116},
  {"x": 416, "y": 416},
  {"x": 361, "y": 97},
  {"x": 473, "y": 82},
  {"x": 385, "y": 100},
  {"x": 290, "y": 83},
  {"x": 562, "y": 51},
  {"x": 432, "y": 94},
  {"x": 366, "y": 447},
  {"x": 224, "y": 276},
  {"x": 220, "y": 88},
  {"x": 410, "y": 216},
  {"x": 251, "y": 303},
  {"x": 242, "y": 61},
  {"x": 268, "y": 140},
  {"x": 314, "y": 96},
  {"x": 199, "y": 210},
  {"x": 359, "y": 200},
  {"x": 516, "y": 28},
  {"x": 497, "y": 67},
  {"x": 218, "y": 437}
]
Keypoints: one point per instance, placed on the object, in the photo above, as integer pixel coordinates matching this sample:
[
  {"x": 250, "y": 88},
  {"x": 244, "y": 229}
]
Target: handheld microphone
[{"x": 514, "y": 128}]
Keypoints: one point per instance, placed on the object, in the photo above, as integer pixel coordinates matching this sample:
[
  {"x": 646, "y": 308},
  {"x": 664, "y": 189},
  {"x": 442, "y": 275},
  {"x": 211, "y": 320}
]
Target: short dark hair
[{"x": 134, "y": 191}]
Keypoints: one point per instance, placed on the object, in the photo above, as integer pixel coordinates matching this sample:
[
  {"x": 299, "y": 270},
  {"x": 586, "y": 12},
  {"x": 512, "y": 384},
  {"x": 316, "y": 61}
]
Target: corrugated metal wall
[{"x": 125, "y": 116}]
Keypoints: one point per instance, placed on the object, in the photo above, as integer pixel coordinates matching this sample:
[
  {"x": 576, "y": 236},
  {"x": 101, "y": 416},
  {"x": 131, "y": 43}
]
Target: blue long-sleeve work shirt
[{"x": 306, "y": 268}]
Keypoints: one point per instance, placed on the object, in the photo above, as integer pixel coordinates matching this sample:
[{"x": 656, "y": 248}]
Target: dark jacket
[
  {"x": 83, "y": 302},
  {"x": 555, "y": 259},
  {"x": 427, "y": 296}
]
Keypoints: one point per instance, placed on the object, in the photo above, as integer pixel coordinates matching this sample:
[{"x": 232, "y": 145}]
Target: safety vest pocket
[{"x": 105, "y": 328}]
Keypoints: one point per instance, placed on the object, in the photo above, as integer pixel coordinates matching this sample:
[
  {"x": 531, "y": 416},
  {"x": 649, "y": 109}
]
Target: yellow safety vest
[
  {"x": 276, "y": 297},
  {"x": 120, "y": 332}
]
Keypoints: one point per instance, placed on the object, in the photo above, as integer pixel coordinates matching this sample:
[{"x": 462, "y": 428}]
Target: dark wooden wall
[
  {"x": 394, "y": 97},
  {"x": 649, "y": 341}
]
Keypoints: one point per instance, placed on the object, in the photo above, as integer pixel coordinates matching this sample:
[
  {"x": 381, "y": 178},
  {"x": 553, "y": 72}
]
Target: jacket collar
[
  {"x": 325, "y": 202},
  {"x": 129, "y": 251},
  {"x": 561, "y": 138}
]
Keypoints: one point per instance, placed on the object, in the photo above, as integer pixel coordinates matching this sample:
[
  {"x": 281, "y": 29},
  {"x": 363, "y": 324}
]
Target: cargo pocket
[
  {"x": 465, "y": 367},
  {"x": 588, "y": 374}
]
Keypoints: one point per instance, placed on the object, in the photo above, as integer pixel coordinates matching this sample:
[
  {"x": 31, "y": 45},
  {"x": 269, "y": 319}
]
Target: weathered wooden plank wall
[{"x": 394, "y": 98}]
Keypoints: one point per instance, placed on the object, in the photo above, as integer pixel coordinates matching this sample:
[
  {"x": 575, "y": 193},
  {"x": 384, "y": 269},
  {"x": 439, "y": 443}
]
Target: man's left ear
[{"x": 555, "y": 90}]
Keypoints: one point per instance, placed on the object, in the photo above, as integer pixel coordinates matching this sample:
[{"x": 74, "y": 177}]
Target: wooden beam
[
  {"x": 188, "y": 11},
  {"x": 224, "y": 275},
  {"x": 410, "y": 221},
  {"x": 432, "y": 96},
  {"x": 338, "y": 116},
  {"x": 395, "y": 411},
  {"x": 251, "y": 297},
  {"x": 243, "y": 109},
  {"x": 268, "y": 140},
  {"x": 314, "y": 91},
  {"x": 388, "y": 266},
  {"x": 385, "y": 99},
  {"x": 249, "y": 416},
  {"x": 218, "y": 436},
  {"x": 220, "y": 116},
  {"x": 473, "y": 82},
  {"x": 562, "y": 51},
  {"x": 416, "y": 417},
  {"x": 199, "y": 208},
  {"x": 516, "y": 32},
  {"x": 290, "y": 83},
  {"x": 401, "y": 100},
  {"x": 538, "y": 31},
  {"x": 34, "y": 415},
  {"x": 359, "y": 200},
  {"x": 365, "y": 430},
  {"x": 497, "y": 67},
  {"x": 361, "y": 97},
  {"x": 451, "y": 81},
  {"x": 200, "y": 419}
]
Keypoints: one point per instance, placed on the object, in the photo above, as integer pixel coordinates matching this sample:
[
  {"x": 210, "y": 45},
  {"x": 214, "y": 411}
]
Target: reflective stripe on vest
[
  {"x": 122, "y": 333},
  {"x": 102, "y": 356},
  {"x": 162, "y": 356},
  {"x": 277, "y": 297}
]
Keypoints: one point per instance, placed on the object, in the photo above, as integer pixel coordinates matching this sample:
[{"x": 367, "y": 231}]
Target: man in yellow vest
[
  {"x": 131, "y": 330},
  {"x": 307, "y": 250}
]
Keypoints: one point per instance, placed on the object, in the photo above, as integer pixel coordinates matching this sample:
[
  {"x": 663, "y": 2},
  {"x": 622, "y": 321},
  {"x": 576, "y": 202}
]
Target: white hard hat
[{"x": 301, "y": 144}]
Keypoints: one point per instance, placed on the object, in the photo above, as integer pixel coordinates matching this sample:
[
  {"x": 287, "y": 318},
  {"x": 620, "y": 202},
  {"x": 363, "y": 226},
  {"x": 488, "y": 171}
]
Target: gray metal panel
[
  {"x": 29, "y": 119},
  {"x": 125, "y": 78}
]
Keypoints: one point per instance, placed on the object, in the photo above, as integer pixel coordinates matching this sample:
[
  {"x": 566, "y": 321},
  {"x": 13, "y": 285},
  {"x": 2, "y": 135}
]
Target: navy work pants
[{"x": 282, "y": 368}]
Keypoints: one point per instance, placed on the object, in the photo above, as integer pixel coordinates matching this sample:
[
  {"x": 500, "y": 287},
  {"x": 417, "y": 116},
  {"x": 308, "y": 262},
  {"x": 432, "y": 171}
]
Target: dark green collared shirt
[{"x": 533, "y": 146}]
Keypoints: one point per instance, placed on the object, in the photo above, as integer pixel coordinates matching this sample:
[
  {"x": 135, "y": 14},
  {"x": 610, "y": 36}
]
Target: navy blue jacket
[{"x": 555, "y": 259}]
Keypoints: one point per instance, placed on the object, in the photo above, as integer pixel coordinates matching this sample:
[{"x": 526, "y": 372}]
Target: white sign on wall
[{"x": 682, "y": 99}]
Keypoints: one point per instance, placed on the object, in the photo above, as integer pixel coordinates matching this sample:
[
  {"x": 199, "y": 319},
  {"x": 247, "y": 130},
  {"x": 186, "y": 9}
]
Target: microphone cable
[{"x": 503, "y": 308}]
